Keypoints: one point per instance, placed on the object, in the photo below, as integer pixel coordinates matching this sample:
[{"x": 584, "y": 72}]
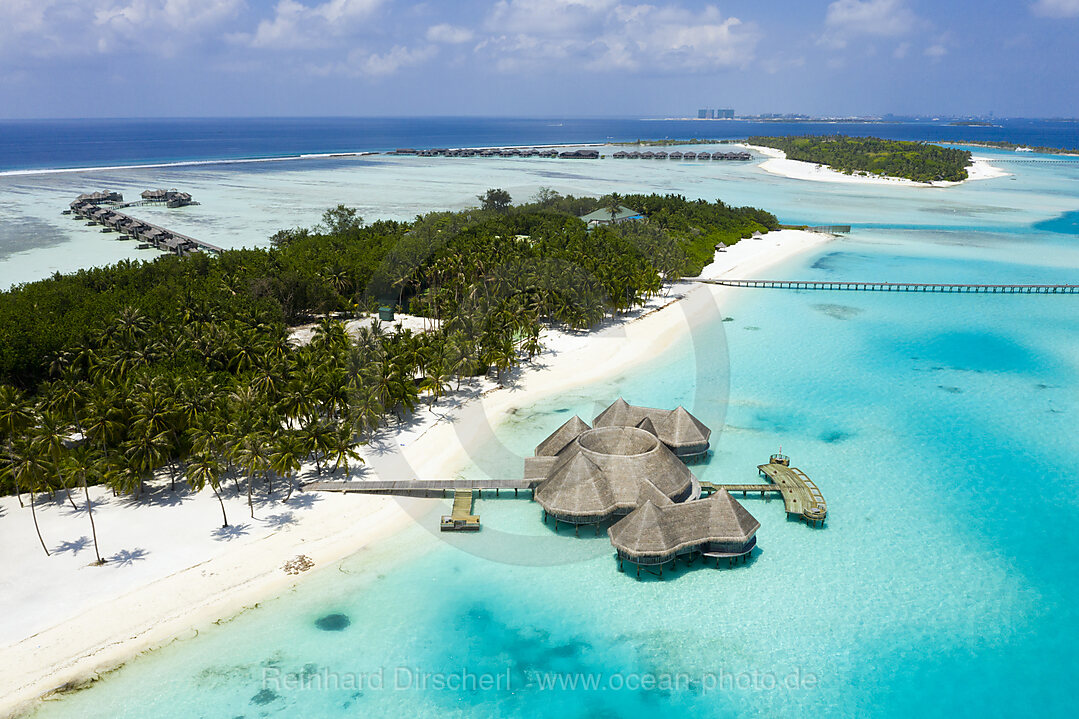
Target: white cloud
[
  {"x": 451, "y": 34},
  {"x": 364, "y": 63},
  {"x": 936, "y": 51},
  {"x": 607, "y": 35},
  {"x": 869, "y": 17},
  {"x": 71, "y": 27},
  {"x": 1056, "y": 8},
  {"x": 295, "y": 25},
  {"x": 901, "y": 50},
  {"x": 161, "y": 24},
  {"x": 397, "y": 58}
]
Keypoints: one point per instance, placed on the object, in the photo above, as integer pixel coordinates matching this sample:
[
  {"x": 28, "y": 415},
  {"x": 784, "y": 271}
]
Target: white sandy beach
[
  {"x": 778, "y": 164},
  {"x": 172, "y": 569}
]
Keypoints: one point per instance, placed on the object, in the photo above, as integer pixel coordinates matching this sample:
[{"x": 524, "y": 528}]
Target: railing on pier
[{"x": 896, "y": 287}]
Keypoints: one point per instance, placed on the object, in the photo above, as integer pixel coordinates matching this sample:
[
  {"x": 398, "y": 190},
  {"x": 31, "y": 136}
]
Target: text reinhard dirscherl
[{"x": 414, "y": 679}]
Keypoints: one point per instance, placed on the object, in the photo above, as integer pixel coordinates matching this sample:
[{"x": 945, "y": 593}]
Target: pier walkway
[
  {"x": 421, "y": 487},
  {"x": 895, "y": 287}
]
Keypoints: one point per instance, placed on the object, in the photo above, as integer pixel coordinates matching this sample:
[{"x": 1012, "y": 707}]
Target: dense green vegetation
[
  {"x": 917, "y": 161},
  {"x": 187, "y": 363}
]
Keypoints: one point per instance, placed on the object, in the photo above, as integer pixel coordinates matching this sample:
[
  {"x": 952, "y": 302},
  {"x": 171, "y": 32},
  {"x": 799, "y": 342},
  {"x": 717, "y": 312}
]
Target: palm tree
[
  {"x": 50, "y": 439},
  {"x": 315, "y": 436},
  {"x": 341, "y": 447},
  {"x": 80, "y": 463},
  {"x": 145, "y": 452},
  {"x": 202, "y": 471},
  {"x": 249, "y": 453},
  {"x": 286, "y": 456},
  {"x": 15, "y": 416},
  {"x": 26, "y": 467},
  {"x": 436, "y": 383}
]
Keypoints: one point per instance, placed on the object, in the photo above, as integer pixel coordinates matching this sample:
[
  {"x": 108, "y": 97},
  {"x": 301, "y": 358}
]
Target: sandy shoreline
[
  {"x": 777, "y": 164},
  {"x": 63, "y": 622}
]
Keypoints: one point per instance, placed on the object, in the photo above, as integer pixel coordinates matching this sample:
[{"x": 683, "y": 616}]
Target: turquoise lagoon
[{"x": 940, "y": 429}]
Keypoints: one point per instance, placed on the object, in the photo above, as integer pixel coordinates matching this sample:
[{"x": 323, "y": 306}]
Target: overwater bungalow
[
  {"x": 101, "y": 197},
  {"x": 579, "y": 155},
  {"x": 690, "y": 155},
  {"x": 634, "y": 155},
  {"x": 659, "y": 530},
  {"x": 599, "y": 474},
  {"x": 623, "y": 470},
  {"x": 661, "y": 155},
  {"x": 704, "y": 156},
  {"x": 676, "y": 155},
  {"x": 620, "y": 155}
]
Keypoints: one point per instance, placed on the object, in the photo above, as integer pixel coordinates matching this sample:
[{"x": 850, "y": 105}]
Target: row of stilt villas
[{"x": 628, "y": 471}]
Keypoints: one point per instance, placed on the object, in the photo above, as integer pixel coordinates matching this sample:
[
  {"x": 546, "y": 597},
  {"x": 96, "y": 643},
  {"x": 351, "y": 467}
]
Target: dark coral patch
[{"x": 333, "y": 622}]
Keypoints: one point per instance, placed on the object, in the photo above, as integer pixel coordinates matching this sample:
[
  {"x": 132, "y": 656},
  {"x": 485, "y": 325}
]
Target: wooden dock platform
[
  {"x": 896, "y": 287},
  {"x": 800, "y": 495},
  {"x": 461, "y": 518}
]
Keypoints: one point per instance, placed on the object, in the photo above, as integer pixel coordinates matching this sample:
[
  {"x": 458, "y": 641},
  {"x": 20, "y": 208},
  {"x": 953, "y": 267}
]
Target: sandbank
[{"x": 777, "y": 163}]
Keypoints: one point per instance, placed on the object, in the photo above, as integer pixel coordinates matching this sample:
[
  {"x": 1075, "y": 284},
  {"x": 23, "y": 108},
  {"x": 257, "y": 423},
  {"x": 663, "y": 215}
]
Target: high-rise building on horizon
[{"x": 723, "y": 113}]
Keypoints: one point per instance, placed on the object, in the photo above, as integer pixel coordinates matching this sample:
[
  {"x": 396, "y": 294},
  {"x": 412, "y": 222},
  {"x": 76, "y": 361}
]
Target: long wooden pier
[
  {"x": 421, "y": 487},
  {"x": 895, "y": 287}
]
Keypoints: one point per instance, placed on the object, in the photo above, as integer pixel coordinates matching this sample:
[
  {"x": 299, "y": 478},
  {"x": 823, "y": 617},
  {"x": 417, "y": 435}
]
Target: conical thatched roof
[
  {"x": 619, "y": 414},
  {"x": 642, "y": 532},
  {"x": 577, "y": 488},
  {"x": 614, "y": 463},
  {"x": 653, "y": 532},
  {"x": 562, "y": 436},
  {"x": 681, "y": 429},
  {"x": 677, "y": 428},
  {"x": 647, "y": 426}
]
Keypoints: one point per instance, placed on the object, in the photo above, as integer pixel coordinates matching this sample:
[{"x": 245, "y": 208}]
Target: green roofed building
[{"x": 602, "y": 216}]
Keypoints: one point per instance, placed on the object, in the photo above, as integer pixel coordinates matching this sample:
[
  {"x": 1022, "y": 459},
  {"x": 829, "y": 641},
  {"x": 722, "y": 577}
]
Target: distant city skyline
[{"x": 538, "y": 58}]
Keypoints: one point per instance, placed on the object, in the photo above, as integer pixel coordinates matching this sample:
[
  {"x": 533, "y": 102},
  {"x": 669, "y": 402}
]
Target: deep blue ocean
[{"x": 57, "y": 144}]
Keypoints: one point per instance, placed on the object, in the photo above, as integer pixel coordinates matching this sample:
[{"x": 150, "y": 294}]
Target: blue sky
[{"x": 132, "y": 58}]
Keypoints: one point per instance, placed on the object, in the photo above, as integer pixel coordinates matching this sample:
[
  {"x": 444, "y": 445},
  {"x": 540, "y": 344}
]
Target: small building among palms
[{"x": 605, "y": 216}]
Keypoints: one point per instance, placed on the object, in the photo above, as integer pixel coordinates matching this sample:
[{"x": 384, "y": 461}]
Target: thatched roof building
[
  {"x": 683, "y": 433},
  {"x": 599, "y": 474},
  {"x": 659, "y": 530},
  {"x": 623, "y": 469}
]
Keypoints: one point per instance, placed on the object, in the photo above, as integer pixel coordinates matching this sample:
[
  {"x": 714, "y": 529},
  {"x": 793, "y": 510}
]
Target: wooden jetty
[
  {"x": 895, "y": 287},
  {"x": 461, "y": 517},
  {"x": 801, "y": 497},
  {"x": 422, "y": 487}
]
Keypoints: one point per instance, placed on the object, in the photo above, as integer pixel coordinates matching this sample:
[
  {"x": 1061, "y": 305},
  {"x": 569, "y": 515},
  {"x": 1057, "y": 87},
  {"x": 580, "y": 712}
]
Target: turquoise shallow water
[{"x": 940, "y": 429}]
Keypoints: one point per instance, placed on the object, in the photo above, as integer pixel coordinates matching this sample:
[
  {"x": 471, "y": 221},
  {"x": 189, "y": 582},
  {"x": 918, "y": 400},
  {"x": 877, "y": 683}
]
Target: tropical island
[
  {"x": 915, "y": 161},
  {"x": 187, "y": 365}
]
